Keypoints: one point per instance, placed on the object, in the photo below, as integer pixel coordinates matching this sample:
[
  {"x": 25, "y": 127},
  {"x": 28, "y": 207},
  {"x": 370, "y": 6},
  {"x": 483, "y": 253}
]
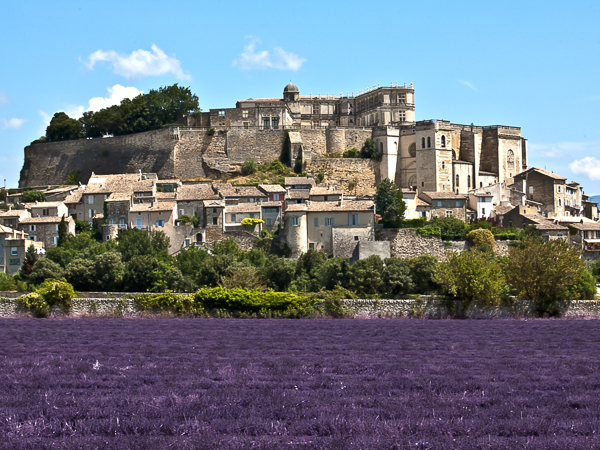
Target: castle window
[
  {"x": 422, "y": 142},
  {"x": 245, "y": 114},
  {"x": 443, "y": 165},
  {"x": 468, "y": 181},
  {"x": 449, "y": 213},
  {"x": 412, "y": 150},
  {"x": 443, "y": 141},
  {"x": 316, "y": 108},
  {"x": 401, "y": 116},
  {"x": 457, "y": 184},
  {"x": 275, "y": 122},
  {"x": 428, "y": 142},
  {"x": 266, "y": 122},
  {"x": 221, "y": 113},
  {"x": 510, "y": 159},
  {"x": 381, "y": 148}
]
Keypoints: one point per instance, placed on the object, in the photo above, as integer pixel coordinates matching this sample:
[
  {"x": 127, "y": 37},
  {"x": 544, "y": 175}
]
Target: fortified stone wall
[
  {"x": 50, "y": 163},
  {"x": 353, "y": 176}
]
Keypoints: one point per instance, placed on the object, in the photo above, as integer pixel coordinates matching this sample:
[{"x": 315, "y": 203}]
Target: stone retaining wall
[{"x": 425, "y": 306}]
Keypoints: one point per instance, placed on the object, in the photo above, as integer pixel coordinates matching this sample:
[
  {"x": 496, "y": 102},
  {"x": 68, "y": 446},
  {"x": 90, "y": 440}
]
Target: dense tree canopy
[
  {"x": 389, "y": 203},
  {"x": 150, "y": 111}
]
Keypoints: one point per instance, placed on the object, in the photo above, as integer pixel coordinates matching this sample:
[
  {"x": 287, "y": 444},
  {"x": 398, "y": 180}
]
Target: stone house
[
  {"x": 271, "y": 213},
  {"x": 234, "y": 214},
  {"x": 274, "y": 192},
  {"x": 74, "y": 204},
  {"x": 214, "y": 222},
  {"x": 144, "y": 191},
  {"x": 153, "y": 216},
  {"x": 482, "y": 204},
  {"x": 292, "y": 183},
  {"x": 100, "y": 187},
  {"x": 296, "y": 197},
  {"x": 311, "y": 225},
  {"x": 45, "y": 229},
  {"x": 446, "y": 204},
  {"x": 239, "y": 194},
  {"x": 13, "y": 217},
  {"x": 590, "y": 209},
  {"x": 325, "y": 194},
  {"x": 586, "y": 236},
  {"x": 117, "y": 210},
  {"x": 14, "y": 245},
  {"x": 410, "y": 200},
  {"x": 190, "y": 200},
  {"x": 546, "y": 188}
]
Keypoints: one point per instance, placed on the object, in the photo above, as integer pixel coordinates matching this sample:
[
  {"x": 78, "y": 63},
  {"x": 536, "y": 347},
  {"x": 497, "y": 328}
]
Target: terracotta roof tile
[
  {"x": 322, "y": 190},
  {"x": 333, "y": 206},
  {"x": 298, "y": 194},
  {"x": 271, "y": 188},
  {"x": 243, "y": 207},
  {"x": 293, "y": 181},
  {"x": 158, "y": 206},
  {"x": 196, "y": 192}
]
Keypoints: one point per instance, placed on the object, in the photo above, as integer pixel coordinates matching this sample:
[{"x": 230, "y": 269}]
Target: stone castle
[{"x": 431, "y": 155}]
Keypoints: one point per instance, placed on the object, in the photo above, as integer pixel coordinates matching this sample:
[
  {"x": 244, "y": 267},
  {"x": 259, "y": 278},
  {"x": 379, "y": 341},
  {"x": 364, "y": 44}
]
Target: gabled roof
[
  {"x": 45, "y": 219},
  {"x": 213, "y": 204},
  {"x": 324, "y": 190},
  {"x": 118, "y": 197},
  {"x": 586, "y": 226},
  {"x": 540, "y": 171},
  {"x": 444, "y": 196},
  {"x": 74, "y": 196},
  {"x": 298, "y": 194},
  {"x": 501, "y": 210},
  {"x": 239, "y": 191},
  {"x": 43, "y": 205},
  {"x": 106, "y": 184}
]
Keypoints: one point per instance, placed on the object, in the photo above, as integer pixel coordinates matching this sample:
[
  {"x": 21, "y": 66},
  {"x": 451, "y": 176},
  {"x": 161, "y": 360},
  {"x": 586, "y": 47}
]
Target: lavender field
[{"x": 302, "y": 384}]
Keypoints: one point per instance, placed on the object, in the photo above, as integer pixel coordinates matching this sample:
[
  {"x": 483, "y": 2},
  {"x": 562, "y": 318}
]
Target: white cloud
[
  {"x": 588, "y": 166},
  {"x": 3, "y": 98},
  {"x": 13, "y": 124},
  {"x": 250, "y": 58},
  {"x": 563, "y": 149},
  {"x": 467, "y": 84},
  {"x": 116, "y": 94},
  {"x": 139, "y": 63}
]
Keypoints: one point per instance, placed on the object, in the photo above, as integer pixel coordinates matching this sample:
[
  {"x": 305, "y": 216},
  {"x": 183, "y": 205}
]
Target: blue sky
[{"x": 532, "y": 64}]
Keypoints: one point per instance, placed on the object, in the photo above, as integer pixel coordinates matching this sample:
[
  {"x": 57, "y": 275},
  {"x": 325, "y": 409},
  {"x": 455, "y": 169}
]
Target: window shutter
[{"x": 349, "y": 219}]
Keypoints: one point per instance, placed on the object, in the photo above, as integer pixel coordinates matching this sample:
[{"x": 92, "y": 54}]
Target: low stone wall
[
  {"x": 406, "y": 243},
  {"x": 425, "y": 306},
  {"x": 435, "y": 308}
]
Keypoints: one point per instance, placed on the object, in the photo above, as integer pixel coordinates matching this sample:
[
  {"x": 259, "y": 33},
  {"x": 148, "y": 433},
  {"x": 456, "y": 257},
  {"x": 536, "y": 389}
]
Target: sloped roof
[
  {"x": 444, "y": 196},
  {"x": 196, "y": 192},
  {"x": 271, "y": 188},
  {"x": 105, "y": 184},
  {"x": 365, "y": 205},
  {"x": 292, "y": 181},
  {"x": 322, "y": 190},
  {"x": 501, "y": 210},
  {"x": 74, "y": 196},
  {"x": 118, "y": 197},
  {"x": 243, "y": 207},
  {"x": 149, "y": 207},
  {"x": 541, "y": 171},
  {"x": 43, "y": 205}
]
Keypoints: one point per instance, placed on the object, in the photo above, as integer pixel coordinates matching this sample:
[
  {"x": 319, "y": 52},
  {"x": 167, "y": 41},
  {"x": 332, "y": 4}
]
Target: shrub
[
  {"x": 30, "y": 196},
  {"x": 250, "y": 222},
  {"x": 249, "y": 301},
  {"x": 414, "y": 223},
  {"x": 185, "y": 219},
  {"x": 320, "y": 176},
  {"x": 57, "y": 291},
  {"x": 584, "y": 288},
  {"x": 352, "y": 153},
  {"x": 210, "y": 132},
  {"x": 35, "y": 303},
  {"x": 249, "y": 167},
  {"x": 396, "y": 276},
  {"x": 482, "y": 236},
  {"x": 451, "y": 228},
  {"x": 179, "y": 304},
  {"x": 366, "y": 275},
  {"x": 422, "y": 274},
  {"x": 429, "y": 231}
]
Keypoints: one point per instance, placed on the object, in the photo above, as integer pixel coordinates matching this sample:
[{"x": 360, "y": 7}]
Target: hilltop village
[{"x": 443, "y": 170}]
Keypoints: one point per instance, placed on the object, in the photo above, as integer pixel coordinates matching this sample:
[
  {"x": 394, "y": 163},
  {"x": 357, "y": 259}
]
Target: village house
[
  {"x": 13, "y": 247},
  {"x": 446, "y": 204},
  {"x": 311, "y": 225}
]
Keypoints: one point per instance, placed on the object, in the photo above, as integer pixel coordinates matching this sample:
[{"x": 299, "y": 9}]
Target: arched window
[
  {"x": 412, "y": 150},
  {"x": 457, "y": 179},
  {"x": 469, "y": 181},
  {"x": 422, "y": 142},
  {"x": 443, "y": 141},
  {"x": 428, "y": 142},
  {"x": 510, "y": 159}
]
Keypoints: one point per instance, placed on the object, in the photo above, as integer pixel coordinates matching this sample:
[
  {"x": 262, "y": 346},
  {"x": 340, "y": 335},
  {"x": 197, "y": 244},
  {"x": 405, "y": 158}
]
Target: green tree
[
  {"x": 544, "y": 272},
  {"x": 31, "y": 257},
  {"x": 472, "y": 276},
  {"x": 109, "y": 270},
  {"x": 136, "y": 242},
  {"x": 451, "y": 228},
  {"x": 81, "y": 274},
  {"x": 43, "y": 269},
  {"x": 369, "y": 150},
  {"x": 63, "y": 232},
  {"x": 422, "y": 273},
  {"x": 140, "y": 273},
  {"x": 389, "y": 203},
  {"x": 63, "y": 128},
  {"x": 226, "y": 247},
  {"x": 584, "y": 288},
  {"x": 396, "y": 276},
  {"x": 366, "y": 275},
  {"x": 335, "y": 272},
  {"x": 189, "y": 260},
  {"x": 279, "y": 272},
  {"x": 30, "y": 196}
]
